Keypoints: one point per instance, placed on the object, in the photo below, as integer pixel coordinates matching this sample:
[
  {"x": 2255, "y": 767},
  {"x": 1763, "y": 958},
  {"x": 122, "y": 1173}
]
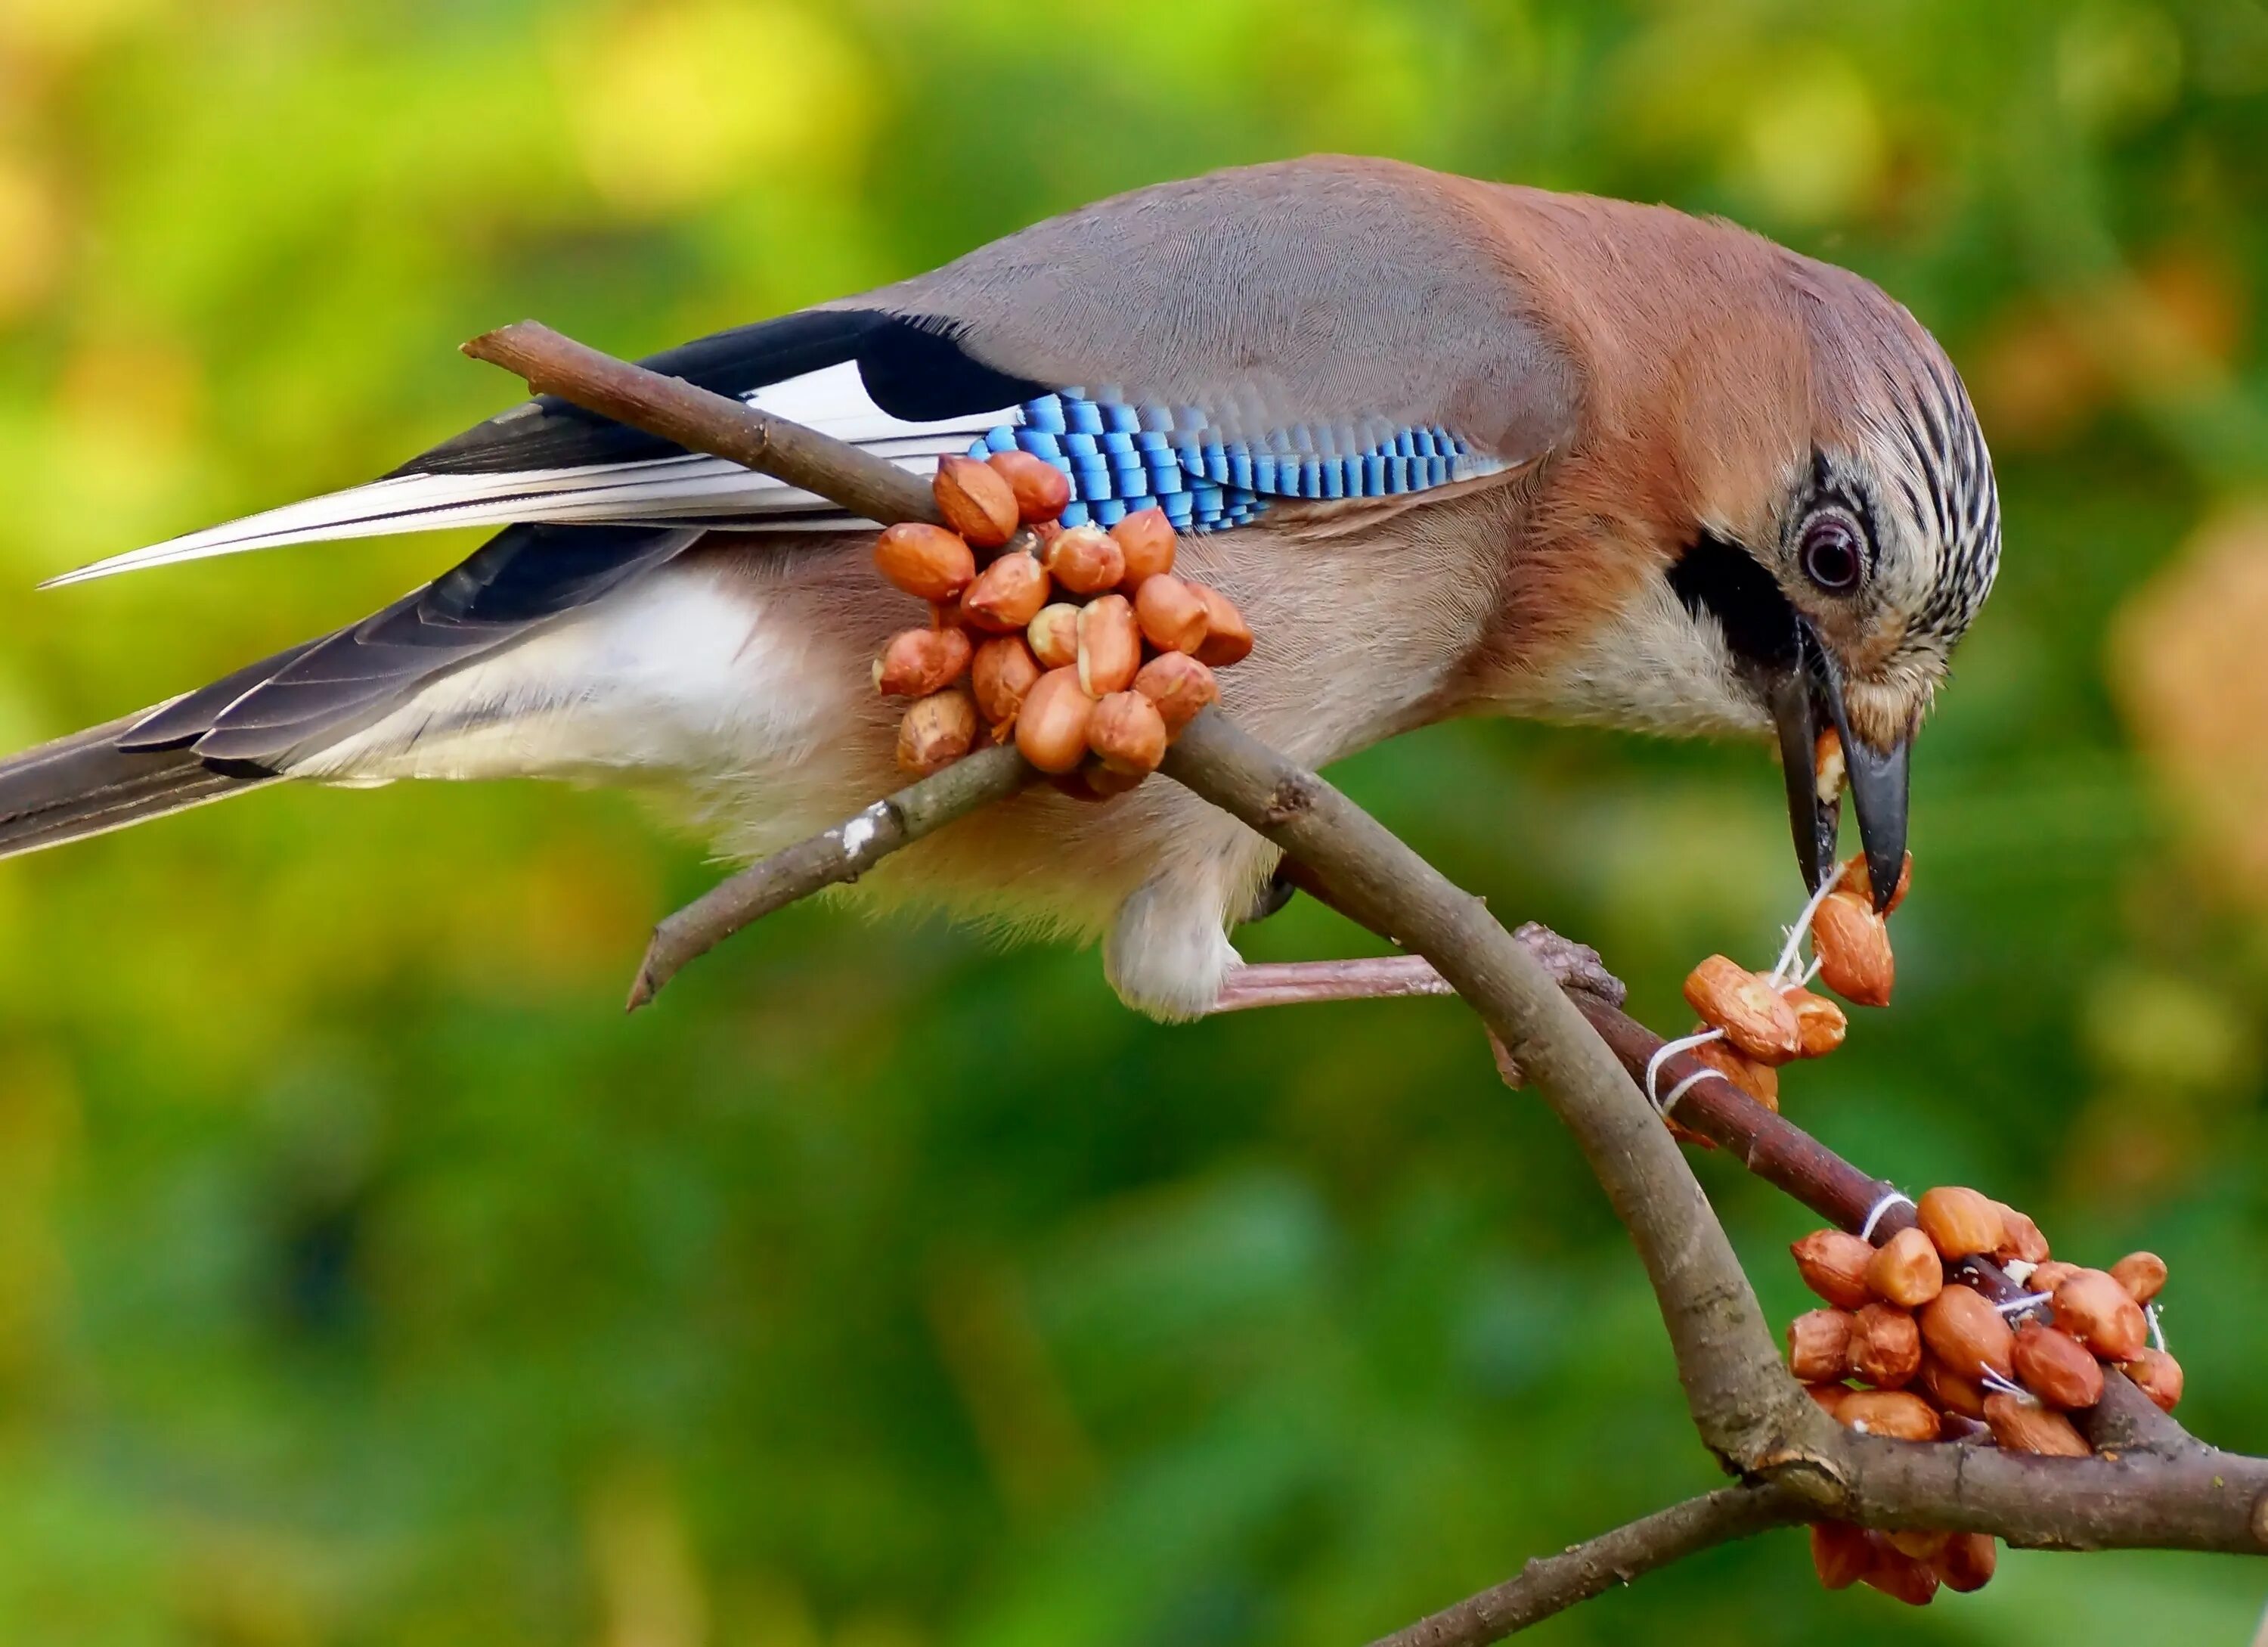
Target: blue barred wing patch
[{"x": 1122, "y": 458}]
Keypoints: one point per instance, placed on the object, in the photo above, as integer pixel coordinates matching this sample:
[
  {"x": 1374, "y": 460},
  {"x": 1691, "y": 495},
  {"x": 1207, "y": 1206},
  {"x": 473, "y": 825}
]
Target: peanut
[
  {"x": 1753, "y": 1014},
  {"x": 923, "y": 560},
  {"x": 1906, "y": 1270},
  {"x": 1833, "y": 1264},
  {"x": 1041, "y": 489},
  {"x": 976, "y": 502}
]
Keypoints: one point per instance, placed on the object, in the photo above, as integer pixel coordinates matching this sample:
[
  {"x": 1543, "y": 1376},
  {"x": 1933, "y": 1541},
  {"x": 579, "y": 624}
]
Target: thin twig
[
  {"x": 1552, "y": 1584},
  {"x": 828, "y": 858},
  {"x": 702, "y": 421}
]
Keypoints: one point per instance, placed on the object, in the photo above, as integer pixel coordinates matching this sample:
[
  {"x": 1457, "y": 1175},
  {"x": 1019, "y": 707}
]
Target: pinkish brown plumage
[{"x": 1458, "y": 447}]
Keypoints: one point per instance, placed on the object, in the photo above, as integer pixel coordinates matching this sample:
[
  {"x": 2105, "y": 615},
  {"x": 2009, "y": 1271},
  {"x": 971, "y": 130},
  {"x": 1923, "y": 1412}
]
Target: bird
[{"x": 1455, "y": 447}]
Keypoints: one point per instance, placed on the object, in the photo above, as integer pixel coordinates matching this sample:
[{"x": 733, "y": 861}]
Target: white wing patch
[{"x": 660, "y": 492}]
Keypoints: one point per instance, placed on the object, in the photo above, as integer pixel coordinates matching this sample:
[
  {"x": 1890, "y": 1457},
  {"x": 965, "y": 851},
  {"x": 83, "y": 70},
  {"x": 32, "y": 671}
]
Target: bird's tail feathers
[{"x": 85, "y": 785}]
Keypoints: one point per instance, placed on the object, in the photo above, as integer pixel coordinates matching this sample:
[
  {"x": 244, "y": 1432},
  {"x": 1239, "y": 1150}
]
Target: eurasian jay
[{"x": 1454, "y": 447}]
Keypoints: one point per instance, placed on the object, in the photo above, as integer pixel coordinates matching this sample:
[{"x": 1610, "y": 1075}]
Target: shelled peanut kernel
[
  {"x": 1079, "y": 643},
  {"x": 1909, "y": 1349}
]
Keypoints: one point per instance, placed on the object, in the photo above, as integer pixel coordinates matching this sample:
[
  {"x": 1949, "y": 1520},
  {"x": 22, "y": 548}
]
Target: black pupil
[{"x": 1830, "y": 556}]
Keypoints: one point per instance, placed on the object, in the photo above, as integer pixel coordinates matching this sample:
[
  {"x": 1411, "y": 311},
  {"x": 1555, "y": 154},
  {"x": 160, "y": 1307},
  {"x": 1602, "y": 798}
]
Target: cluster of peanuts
[
  {"x": 1765, "y": 1022},
  {"x": 1905, "y": 1349},
  {"x": 1079, "y": 643}
]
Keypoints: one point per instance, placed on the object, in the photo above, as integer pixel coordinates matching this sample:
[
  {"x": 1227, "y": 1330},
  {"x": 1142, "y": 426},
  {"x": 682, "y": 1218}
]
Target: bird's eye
[{"x": 1831, "y": 557}]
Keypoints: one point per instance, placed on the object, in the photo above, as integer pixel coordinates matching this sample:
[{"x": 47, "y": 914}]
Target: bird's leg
[
  {"x": 1293, "y": 983},
  {"x": 1290, "y": 982}
]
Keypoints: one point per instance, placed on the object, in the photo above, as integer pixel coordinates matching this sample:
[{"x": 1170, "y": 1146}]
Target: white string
[
  {"x": 1999, "y": 1386},
  {"x": 2030, "y": 1301},
  {"x": 1796, "y": 934},
  {"x": 2157, "y": 1330},
  {"x": 1662, "y": 1055},
  {"x": 1874, "y": 1217},
  {"x": 1686, "y": 1086}
]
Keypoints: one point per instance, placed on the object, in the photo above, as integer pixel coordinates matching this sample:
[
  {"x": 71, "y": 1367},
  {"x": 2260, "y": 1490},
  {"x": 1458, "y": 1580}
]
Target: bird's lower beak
[{"x": 1806, "y": 701}]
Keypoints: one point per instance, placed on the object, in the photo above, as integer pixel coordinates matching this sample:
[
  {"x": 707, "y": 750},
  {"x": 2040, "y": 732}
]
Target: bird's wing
[{"x": 1317, "y": 329}]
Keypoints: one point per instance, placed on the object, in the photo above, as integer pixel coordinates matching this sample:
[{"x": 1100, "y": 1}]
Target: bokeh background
[{"x": 365, "y": 1276}]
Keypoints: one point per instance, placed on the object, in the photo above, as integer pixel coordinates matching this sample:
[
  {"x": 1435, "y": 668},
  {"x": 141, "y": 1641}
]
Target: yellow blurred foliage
[
  {"x": 64, "y": 27},
  {"x": 642, "y": 1562},
  {"x": 1811, "y": 147},
  {"x": 31, "y": 237},
  {"x": 2189, "y": 667},
  {"x": 674, "y": 105}
]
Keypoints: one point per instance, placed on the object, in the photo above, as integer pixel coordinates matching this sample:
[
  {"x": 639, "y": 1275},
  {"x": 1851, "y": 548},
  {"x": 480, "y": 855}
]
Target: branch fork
[{"x": 1555, "y": 1015}]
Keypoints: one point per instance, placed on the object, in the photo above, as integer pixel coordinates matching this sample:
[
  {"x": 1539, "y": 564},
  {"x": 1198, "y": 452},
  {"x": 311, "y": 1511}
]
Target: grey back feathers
[{"x": 1328, "y": 291}]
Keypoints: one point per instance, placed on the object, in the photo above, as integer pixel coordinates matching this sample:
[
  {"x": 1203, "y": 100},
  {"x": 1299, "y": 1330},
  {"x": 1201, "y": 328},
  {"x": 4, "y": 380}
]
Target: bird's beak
[{"x": 1806, "y": 700}]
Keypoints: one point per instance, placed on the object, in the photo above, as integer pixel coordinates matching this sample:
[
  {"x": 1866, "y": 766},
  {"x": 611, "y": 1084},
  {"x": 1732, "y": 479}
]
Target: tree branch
[
  {"x": 828, "y": 858},
  {"x": 1744, "y": 1404},
  {"x": 1552, "y": 1584},
  {"x": 2150, "y": 1484},
  {"x": 701, "y": 421}
]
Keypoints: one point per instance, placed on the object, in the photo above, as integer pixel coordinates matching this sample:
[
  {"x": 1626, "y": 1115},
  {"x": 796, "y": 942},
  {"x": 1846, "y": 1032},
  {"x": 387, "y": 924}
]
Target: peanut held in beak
[
  {"x": 923, "y": 560},
  {"x": 1853, "y": 945},
  {"x": 1857, "y": 882},
  {"x": 976, "y": 500},
  {"x": 1040, "y": 488}
]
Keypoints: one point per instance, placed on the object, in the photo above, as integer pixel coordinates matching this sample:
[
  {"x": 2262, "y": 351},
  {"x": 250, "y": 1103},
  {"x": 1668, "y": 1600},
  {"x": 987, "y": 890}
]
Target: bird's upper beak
[{"x": 1805, "y": 700}]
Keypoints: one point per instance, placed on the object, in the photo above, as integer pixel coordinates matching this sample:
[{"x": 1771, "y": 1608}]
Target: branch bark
[
  {"x": 831, "y": 858},
  {"x": 702, "y": 421},
  {"x": 1552, "y": 1584}
]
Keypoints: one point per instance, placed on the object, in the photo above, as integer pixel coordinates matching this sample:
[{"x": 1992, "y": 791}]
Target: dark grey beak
[{"x": 1806, "y": 700}]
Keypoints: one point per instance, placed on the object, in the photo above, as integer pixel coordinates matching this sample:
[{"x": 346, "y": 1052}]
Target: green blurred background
[{"x": 365, "y": 1276}]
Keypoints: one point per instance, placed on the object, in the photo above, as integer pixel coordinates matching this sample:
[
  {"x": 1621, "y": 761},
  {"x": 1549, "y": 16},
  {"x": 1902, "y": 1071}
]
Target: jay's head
[{"x": 1827, "y": 579}]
